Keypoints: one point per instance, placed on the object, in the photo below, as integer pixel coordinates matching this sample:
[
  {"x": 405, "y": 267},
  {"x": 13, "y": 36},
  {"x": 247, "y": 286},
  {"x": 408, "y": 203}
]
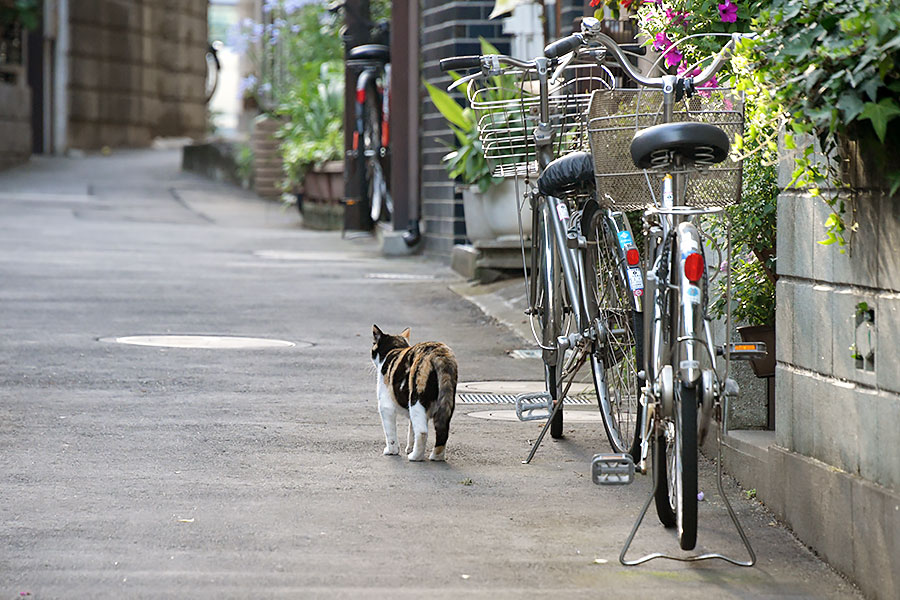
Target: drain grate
[
  {"x": 526, "y": 353},
  {"x": 511, "y": 399}
]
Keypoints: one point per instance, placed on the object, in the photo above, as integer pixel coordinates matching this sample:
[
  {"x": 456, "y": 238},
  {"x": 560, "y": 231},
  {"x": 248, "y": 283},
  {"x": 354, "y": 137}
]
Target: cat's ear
[
  {"x": 376, "y": 332},
  {"x": 405, "y": 333}
]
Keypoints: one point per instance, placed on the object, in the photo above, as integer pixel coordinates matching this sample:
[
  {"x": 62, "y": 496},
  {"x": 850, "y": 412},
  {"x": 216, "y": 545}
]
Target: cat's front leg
[
  {"x": 389, "y": 424},
  {"x": 418, "y": 421}
]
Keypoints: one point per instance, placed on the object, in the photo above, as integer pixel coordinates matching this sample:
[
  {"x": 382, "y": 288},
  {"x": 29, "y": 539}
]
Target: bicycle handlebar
[
  {"x": 460, "y": 62},
  {"x": 563, "y": 45}
]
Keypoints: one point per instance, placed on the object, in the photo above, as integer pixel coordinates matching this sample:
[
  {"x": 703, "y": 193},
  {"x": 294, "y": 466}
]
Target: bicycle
[
  {"x": 682, "y": 389},
  {"x": 584, "y": 286}
]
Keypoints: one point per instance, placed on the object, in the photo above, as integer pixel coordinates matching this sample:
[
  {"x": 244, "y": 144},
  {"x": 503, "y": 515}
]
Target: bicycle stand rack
[{"x": 698, "y": 557}]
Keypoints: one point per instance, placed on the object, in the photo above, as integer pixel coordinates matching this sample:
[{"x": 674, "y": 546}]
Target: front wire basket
[
  {"x": 614, "y": 116},
  {"x": 507, "y": 109}
]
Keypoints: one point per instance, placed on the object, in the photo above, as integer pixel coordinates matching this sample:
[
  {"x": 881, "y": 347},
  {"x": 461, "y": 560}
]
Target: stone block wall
[
  {"x": 15, "y": 123},
  {"x": 136, "y": 71},
  {"x": 835, "y": 468}
]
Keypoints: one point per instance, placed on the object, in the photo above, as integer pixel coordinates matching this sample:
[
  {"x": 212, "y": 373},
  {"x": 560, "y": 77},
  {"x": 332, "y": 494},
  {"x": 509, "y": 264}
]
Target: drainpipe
[{"x": 61, "y": 79}]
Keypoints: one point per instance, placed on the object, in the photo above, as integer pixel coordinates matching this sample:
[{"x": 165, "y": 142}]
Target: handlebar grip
[
  {"x": 563, "y": 46},
  {"x": 457, "y": 63}
]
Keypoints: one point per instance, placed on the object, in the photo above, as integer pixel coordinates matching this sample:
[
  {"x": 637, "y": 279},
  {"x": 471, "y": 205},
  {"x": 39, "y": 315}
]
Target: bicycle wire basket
[
  {"x": 614, "y": 116},
  {"x": 507, "y": 110}
]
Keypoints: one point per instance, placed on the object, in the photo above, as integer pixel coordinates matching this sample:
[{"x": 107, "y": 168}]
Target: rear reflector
[
  {"x": 632, "y": 257},
  {"x": 693, "y": 267},
  {"x": 361, "y": 96}
]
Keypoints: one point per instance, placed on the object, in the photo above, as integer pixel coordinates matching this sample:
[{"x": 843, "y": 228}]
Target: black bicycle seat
[
  {"x": 694, "y": 142},
  {"x": 566, "y": 171},
  {"x": 370, "y": 52}
]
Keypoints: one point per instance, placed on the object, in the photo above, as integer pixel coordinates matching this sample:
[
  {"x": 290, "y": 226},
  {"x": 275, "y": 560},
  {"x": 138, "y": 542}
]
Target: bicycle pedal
[
  {"x": 744, "y": 350},
  {"x": 612, "y": 469},
  {"x": 534, "y": 406}
]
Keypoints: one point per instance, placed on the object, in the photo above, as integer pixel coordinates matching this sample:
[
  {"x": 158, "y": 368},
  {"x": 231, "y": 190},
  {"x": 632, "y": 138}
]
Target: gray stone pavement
[{"x": 147, "y": 472}]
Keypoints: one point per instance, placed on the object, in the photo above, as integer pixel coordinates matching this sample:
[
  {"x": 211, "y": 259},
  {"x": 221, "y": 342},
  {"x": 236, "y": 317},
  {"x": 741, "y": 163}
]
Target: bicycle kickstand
[{"x": 695, "y": 558}]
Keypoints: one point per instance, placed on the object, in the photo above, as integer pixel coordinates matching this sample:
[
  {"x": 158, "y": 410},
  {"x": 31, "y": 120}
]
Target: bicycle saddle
[
  {"x": 696, "y": 143},
  {"x": 370, "y": 52},
  {"x": 566, "y": 171}
]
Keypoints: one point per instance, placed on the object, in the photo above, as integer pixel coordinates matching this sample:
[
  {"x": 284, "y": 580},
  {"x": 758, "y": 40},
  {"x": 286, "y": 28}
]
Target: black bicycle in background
[{"x": 371, "y": 130}]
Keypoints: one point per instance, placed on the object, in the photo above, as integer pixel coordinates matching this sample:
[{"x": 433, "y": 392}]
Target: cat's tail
[{"x": 446, "y": 401}]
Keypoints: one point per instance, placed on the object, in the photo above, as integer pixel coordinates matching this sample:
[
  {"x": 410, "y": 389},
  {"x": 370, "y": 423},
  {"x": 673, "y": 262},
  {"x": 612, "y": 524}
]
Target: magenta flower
[
  {"x": 664, "y": 44},
  {"x": 677, "y": 17},
  {"x": 728, "y": 12}
]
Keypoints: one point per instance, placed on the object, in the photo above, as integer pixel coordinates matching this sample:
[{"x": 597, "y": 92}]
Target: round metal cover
[{"x": 209, "y": 342}]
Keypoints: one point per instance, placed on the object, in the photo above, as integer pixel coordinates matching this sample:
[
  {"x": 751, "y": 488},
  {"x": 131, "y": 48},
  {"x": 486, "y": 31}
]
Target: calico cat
[{"x": 420, "y": 381}]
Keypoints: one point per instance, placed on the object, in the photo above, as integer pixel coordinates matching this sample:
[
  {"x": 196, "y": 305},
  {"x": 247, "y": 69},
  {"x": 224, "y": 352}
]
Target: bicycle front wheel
[
  {"x": 616, "y": 362},
  {"x": 549, "y": 307}
]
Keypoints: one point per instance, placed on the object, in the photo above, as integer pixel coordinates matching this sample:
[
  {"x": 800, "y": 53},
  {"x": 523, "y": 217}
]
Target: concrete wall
[
  {"x": 15, "y": 123},
  {"x": 834, "y": 471},
  {"x": 137, "y": 71}
]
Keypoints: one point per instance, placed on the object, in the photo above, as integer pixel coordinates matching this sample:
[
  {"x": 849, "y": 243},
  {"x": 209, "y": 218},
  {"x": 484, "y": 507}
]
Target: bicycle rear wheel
[
  {"x": 675, "y": 467},
  {"x": 372, "y": 179},
  {"x": 549, "y": 307},
  {"x": 616, "y": 362}
]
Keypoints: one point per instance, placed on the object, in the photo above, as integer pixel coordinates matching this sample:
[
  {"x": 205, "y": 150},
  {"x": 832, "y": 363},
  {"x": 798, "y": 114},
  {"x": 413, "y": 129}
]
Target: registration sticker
[
  {"x": 625, "y": 238},
  {"x": 693, "y": 294},
  {"x": 635, "y": 279},
  {"x": 562, "y": 211}
]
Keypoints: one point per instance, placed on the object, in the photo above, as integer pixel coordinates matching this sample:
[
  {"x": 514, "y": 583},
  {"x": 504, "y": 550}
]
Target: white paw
[
  {"x": 391, "y": 450},
  {"x": 436, "y": 456},
  {"x": 416, "y": 457},
  {"x": 409, "y": 449}
]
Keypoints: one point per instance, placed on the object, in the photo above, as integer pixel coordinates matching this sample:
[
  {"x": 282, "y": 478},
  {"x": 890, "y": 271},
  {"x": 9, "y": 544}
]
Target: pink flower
[
  {"x": 728, "y": 12},
  {"x": 677, "y": 17},
  {"x": 663, "y": 44}
]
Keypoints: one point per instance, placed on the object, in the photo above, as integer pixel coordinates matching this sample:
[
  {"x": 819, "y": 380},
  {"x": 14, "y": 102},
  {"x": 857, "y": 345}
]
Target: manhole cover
[
  {"x": 572, "y": 416},
  {"x": 400, "y": 277},
  {"x": 210, "y": 342},
  {"x": 509, "y": 399}
]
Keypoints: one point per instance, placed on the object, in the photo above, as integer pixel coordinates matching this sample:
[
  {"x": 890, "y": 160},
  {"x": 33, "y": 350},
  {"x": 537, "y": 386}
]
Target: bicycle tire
[
  {"x": 616, "y": 363},
  {"x": 370, "y": 170},
  {"x": 665, "y": 509},
  {"x": 550, "y": 310}
]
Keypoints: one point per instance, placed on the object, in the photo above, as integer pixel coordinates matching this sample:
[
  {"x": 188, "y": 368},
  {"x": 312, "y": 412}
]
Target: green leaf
[
  {"x": 447, "y": 106},
  {"x": 880, "y": 114},
  {"x": 850, "y": 105}
]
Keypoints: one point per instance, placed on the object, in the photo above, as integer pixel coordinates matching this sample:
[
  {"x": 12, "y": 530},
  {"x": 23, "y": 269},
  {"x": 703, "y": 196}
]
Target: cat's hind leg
[
  {"x": 410, "y": 438},
  {"x": 441, "y": 433},
  {"x": 418, "y": 421}
]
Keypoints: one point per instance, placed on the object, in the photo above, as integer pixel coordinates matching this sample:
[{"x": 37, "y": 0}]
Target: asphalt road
[{"x": 149, "y": 472}]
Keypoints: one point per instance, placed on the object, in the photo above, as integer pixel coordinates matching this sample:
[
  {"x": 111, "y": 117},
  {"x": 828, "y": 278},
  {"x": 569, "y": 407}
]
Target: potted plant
[
  {"x": 312, "y": 146},
  {"x": 490, "y": 204},
  {"x": 753, "y": 260}
]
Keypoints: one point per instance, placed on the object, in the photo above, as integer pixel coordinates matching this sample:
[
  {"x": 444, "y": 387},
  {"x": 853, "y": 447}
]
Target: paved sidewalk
[{"x": 159, "y": 472}]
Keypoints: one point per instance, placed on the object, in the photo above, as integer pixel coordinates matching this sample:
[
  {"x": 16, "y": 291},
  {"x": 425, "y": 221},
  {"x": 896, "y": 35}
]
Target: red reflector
[
  {"x": 385, "y": 134},
  {"x": 361, "y": 96},
  {"x": 632, "y": 257},
  {"x": 693, "y": 267}
]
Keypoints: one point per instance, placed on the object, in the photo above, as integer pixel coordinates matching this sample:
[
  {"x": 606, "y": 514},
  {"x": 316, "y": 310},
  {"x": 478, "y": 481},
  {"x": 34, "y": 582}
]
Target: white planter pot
[{"x": 493, "y": 215}]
